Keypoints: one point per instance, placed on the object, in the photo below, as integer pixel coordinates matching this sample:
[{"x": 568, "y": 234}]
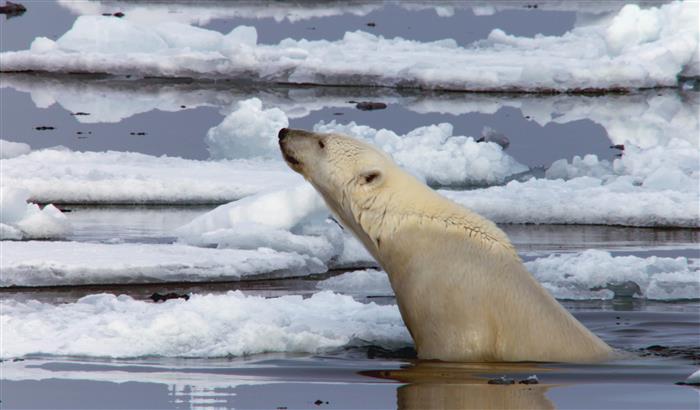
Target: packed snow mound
[
  {"x": 204, "y": 326},
  {"x": 638, "y": 48},
  {"x": 111, "y": 177},
  {"x": 79, "y": 263},
  {"x": 365, "y": 282},
  {"x": 247, "y": 132},
  {"x": 596, "y": 274},
  {"x": 293, "y": 219},
  {"x": 22, "y": 220},
  {"x": 436, "y": 154},
  {"x": 9, "y": 149}
]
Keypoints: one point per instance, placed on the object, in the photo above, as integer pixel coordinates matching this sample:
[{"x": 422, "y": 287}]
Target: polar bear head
[
  {"x": 341, "y": 168},
  {"x": 357, "y": 180}
]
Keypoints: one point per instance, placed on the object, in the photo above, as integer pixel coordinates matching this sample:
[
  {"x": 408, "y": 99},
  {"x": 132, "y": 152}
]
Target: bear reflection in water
[{"x": 439, "y": 385}]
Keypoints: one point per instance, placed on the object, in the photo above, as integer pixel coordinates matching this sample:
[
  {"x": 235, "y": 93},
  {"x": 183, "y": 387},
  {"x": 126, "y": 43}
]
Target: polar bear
[{"x": 462, "y": 290}]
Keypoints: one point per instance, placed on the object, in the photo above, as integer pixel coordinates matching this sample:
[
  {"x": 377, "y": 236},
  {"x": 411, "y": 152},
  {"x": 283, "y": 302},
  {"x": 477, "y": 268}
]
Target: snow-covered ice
[
  {"x": 637, "y": 48},
  {"x": 202, "y": 13},
  {"x": 204, "y": 326},
  {"x": 9, "y": 149},
  {"x": 658, "y": 186},
  {"x": 591, "y": 274},
  {"x": 247, "y": 132},
  {"x": 22, "y": 220},
  {"x": 583, "y": 200},
  {"x": 293, "y": 219},
  {"x": 366, "y": 282},
  {"x": 436, "y": 154},
  {"x": 433, "y": 152},
  {"x": 35, "y": 263},
  {"x": 596, "y": 274},
  {"x": 64, "y": 176}
]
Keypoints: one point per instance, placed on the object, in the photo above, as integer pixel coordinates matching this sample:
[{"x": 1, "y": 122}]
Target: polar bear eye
[
  {"x": 321, "y": 144},
  {"x": 371, "y": 177},
  {"x": 368, "y": 177}
]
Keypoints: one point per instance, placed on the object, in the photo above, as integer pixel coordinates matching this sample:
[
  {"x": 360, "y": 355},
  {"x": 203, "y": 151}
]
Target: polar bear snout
[{"x": 294, "y": 145}]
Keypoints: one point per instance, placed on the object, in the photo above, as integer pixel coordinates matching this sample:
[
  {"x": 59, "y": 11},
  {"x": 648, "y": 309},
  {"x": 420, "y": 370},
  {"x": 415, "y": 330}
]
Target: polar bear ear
[{"x": 370, "y": 177}]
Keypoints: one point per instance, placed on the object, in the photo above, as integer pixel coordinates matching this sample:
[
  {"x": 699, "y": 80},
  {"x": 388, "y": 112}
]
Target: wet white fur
[{"x": 462, "y": 289}]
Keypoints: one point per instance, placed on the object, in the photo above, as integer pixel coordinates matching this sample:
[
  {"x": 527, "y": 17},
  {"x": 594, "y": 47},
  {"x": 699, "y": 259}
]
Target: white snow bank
[
  {"x": 22, "y": 220},
  {"x": 204, "y": 326},
  {"x": 64, "y": 176},
  {"x": 592, "y": 274},
  {"x": 9, "y": 149},
  {"x": 436, "y": 154},
  {"x": 595, "y": 274},
  {"x": 637, "y": 48},
  {"x": 75, "y": 263},
  {"x": 247, "y": 132},
  {"x": 289, "y": 220},
  {"x": 367, "y": 282}
]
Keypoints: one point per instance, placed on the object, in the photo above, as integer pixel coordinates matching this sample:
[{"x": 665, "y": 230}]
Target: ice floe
[
  {"x": 361, "y": 282},
  {"x": 35, "y": 263},
  {"x": 637, "y": 48},
  {"x": 591, "y": 274},
  {"x": 596, "y": 274},
  {"x": 657, "y": 186},
  {"x": 9, "y": 149},
  {"x": 294, "y": 219},
  {"x": 247, "y": 132},
  {"x": 436, "y": 154},
  {"x": 203, "y": 13},
  {"x": 63, "y": 176},
  {"x": 204, "y": 326},
  {"x": 583, "y": 200},
  {"x": 433, "y": 152},
  {"x": 22, "y": 220}
]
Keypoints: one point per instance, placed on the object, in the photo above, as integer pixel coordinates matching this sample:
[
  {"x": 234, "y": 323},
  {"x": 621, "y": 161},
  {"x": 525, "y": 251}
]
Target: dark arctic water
[{"x": 176, "y": 116}]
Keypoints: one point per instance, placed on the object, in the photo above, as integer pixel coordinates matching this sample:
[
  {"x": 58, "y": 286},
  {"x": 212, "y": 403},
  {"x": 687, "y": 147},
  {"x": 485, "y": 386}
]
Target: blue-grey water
[{"x": 358, "y": 378}]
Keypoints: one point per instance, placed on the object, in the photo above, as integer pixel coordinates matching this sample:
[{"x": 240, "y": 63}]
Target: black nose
[{"x": 283, "y": 133}]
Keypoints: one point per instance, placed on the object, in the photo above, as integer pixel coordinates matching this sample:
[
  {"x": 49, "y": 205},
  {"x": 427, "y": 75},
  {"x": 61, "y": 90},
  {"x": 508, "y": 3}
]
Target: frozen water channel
[{"x": 164, "y": 183}]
